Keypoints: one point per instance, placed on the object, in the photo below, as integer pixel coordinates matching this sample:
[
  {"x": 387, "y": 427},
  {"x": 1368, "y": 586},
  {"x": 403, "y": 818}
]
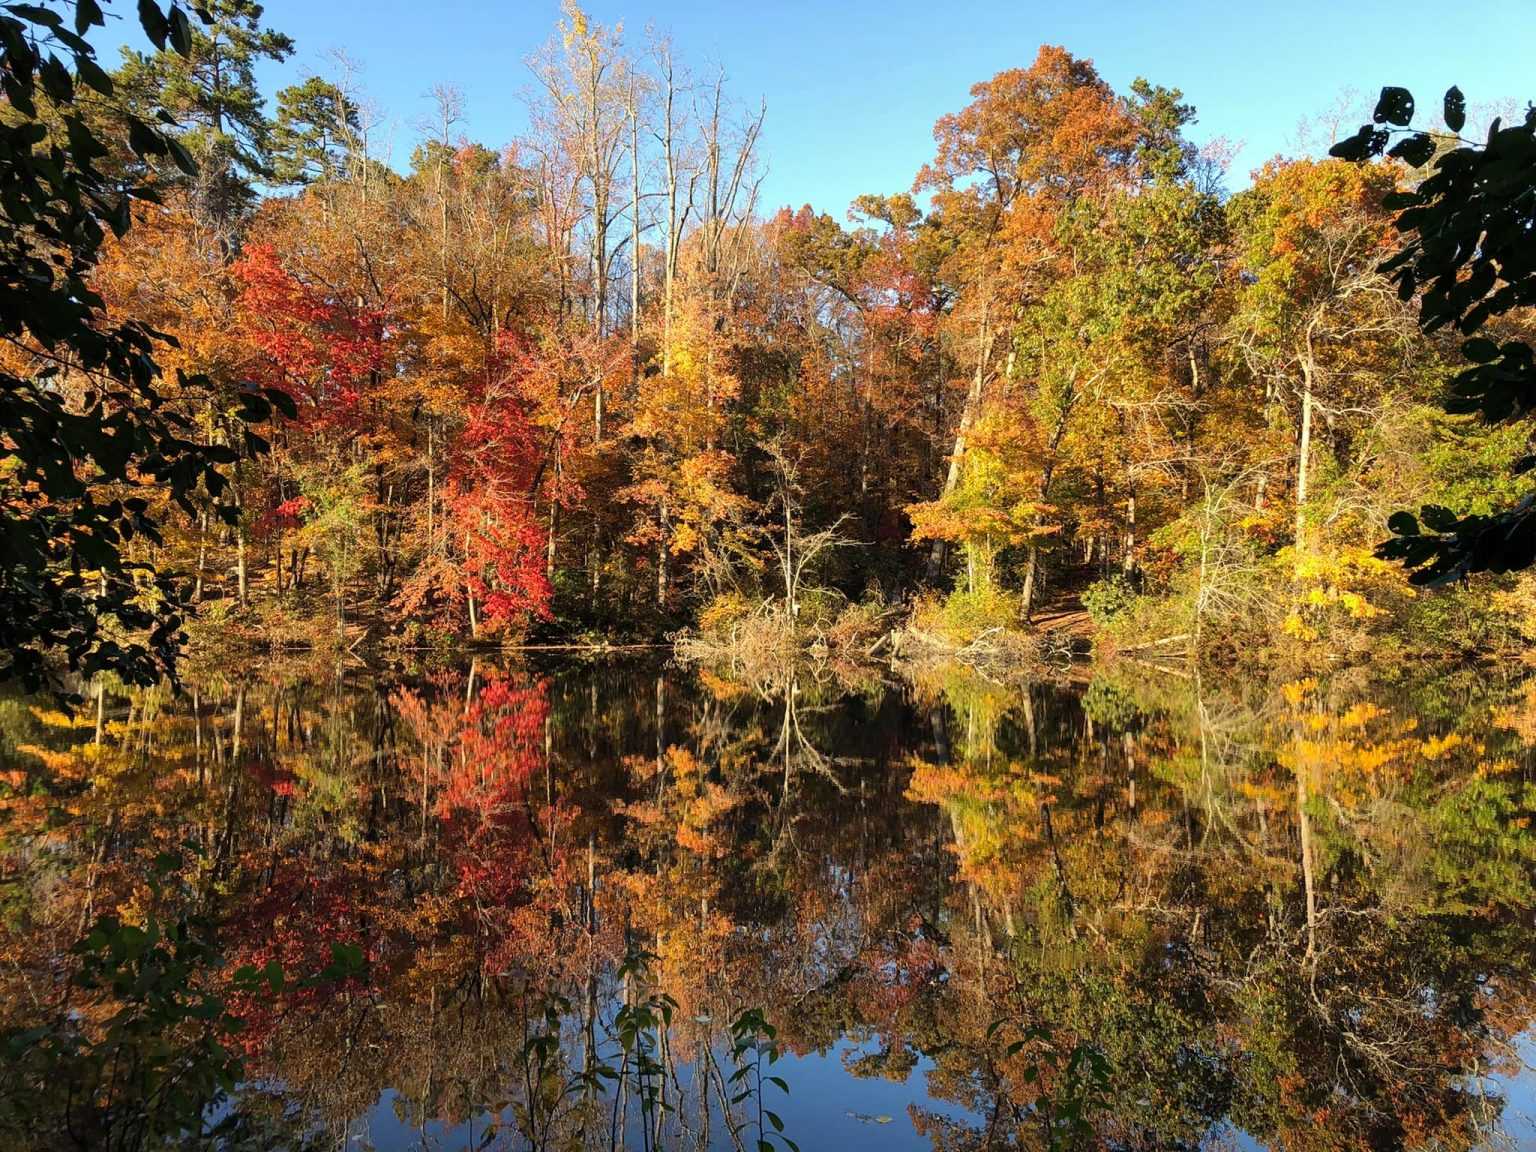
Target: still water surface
[{"x": 603, "y": 906}]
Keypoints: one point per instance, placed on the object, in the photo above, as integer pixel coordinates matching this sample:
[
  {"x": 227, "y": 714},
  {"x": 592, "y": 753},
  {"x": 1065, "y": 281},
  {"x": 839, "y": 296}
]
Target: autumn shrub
[
  {"x": 755, "y": 640},
  {"x": 1107, "y": 598},
  {"x": 1471, "y": 622},
  {"x": 818, "y": 609},
  {"x": 1143, "y": 619},
  {"x": 720, "y": 613},
  {"x": 983, "y": 632},
  {"x": 825, "y": 619},
  {"x": 859, "y": 625},
  {"x": 222, "y": 626},
  {"x": 969, "y": 615},
  {"x": 965, "y": 616}
]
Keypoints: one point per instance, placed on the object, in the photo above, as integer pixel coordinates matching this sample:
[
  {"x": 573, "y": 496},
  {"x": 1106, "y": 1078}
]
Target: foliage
[
  {"x": 1108, "y": 598},
  {"x": 554, "y": 916},
  {"x": 585, "y": 387},
  {"x": 144, "y": 1066},
  {"x": 88, "y": 439},
  {"x": 1466, "y": 257},
  {"x": 207, "y": 88}
]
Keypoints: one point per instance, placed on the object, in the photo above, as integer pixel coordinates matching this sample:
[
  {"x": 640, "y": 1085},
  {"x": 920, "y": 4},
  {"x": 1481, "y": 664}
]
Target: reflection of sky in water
[
  {"x": 1519, "y": 1092},
  {"x": 827, "y": 1108}
]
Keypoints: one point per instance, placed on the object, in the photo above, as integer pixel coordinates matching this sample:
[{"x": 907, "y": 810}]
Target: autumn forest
[
  {"x": 535, "y": 646},
  {"x": 586, "y": 386}
]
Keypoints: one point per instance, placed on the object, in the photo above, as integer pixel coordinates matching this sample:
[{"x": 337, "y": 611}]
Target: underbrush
[
  {"x": 1282, "y": 623},
  {"x": 765, "y": 642},
  {"x": 267, "y": 626},
  {"x": 981, "y": 629}
]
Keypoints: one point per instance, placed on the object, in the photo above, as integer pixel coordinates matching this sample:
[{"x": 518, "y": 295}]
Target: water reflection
[{"x": 593, "y": 907}]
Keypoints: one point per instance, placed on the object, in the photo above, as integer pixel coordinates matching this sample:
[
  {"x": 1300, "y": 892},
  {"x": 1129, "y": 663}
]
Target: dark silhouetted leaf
[
  {"x": 1455, "y": 113},
  {"x": 1395, "y": 106}
]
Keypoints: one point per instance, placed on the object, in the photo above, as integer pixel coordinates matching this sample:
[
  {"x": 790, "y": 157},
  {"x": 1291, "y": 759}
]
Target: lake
[{"x": 563, "y": 905}]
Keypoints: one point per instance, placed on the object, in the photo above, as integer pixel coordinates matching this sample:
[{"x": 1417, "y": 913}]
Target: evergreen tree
[
  {"x": 211, "y": 92},
  {"x": 317, "y": 129}
]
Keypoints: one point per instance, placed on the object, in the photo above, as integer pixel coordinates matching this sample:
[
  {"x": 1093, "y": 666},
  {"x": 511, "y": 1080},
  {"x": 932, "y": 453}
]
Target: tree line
[{"x": 589, "y": 383}]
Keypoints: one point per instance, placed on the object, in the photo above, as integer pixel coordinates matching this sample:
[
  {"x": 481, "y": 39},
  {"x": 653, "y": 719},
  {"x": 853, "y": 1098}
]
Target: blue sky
[{"x": 853, "y": 88}]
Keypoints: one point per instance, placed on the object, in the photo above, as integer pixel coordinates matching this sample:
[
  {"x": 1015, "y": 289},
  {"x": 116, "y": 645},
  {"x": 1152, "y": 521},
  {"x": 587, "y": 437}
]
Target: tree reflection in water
[{"x": 591, "y": 907}]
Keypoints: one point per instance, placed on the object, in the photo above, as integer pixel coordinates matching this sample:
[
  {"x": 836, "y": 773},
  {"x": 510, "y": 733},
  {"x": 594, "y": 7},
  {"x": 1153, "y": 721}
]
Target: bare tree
[
  {"x": 796, "y": 551},
  {"x": 583, "y": 109},
  {"x": 674, "y": 175},
  {"x": 448, "y": 113}
]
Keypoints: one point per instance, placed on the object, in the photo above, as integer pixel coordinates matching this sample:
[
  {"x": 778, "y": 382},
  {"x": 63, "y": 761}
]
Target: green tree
[
  {"x": 317, "y": 129},
  {"x": 210, "y": 92}
]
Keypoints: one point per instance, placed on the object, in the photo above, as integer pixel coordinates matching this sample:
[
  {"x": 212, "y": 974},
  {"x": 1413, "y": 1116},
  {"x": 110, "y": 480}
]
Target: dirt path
[{"x": 1069, "y": 619}]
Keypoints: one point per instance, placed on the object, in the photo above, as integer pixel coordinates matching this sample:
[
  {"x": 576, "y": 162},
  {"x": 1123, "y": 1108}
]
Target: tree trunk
[
  {"x": 202, "y": 554},
  {"x": 469, "y": 595},
  {"x": 1031, "y": 565},
  {"x": 549, "y": 543},
  {"x": 240, "y": 580},
  {"x": 1303, "y": 457},
  {"x": 1308, "y": 880},
  {"x": 431, "y": 485},
  {"x": 661, "y": 558},
  {"x": 634, "y": 239},
  {"x": 968, "y": 417},
  {"x": 1128, "y": 560}
]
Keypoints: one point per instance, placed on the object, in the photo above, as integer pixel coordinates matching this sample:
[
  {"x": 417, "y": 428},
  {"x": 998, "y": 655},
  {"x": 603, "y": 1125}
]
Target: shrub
[
  {"x": 719, "y": 614},
  {"x": 1107, "y": 598},
  {"x": 962, "y": 617}
]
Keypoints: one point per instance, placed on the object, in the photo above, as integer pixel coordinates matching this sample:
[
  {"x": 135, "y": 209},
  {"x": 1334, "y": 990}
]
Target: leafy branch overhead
[
  {"x": 85, "y": 435},
  {"x": 1467, "y": 222}
]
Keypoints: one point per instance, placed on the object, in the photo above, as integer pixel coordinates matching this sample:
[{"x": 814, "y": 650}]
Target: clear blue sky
[{"x": 853, "y": 88}]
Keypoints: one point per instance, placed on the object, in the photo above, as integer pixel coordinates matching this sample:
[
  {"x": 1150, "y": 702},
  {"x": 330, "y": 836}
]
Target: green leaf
[
  {"x": 35, "y": 14},
  {"x": 1438, "y": 519},
  {"x": 1362, "y": 145},
  {"x": 1394, "y": 107},
  {"x": 180, "y": 156},
  {"x": 1455, "y": 109},
  {"x": 87, "y": 14},
  {"x": 143, "y": 139},
  {"x": 254, "y": 407},
  {"x": 284, "y": 403},
  {"x": 92, "y": 75},
  {"x": 57, "y": 81}
]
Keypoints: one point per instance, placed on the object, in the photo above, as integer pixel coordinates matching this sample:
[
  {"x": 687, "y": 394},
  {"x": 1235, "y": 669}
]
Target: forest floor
[
  {"x": 1067, "y": 618},
  {"x": 1061, "y": 616}
]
